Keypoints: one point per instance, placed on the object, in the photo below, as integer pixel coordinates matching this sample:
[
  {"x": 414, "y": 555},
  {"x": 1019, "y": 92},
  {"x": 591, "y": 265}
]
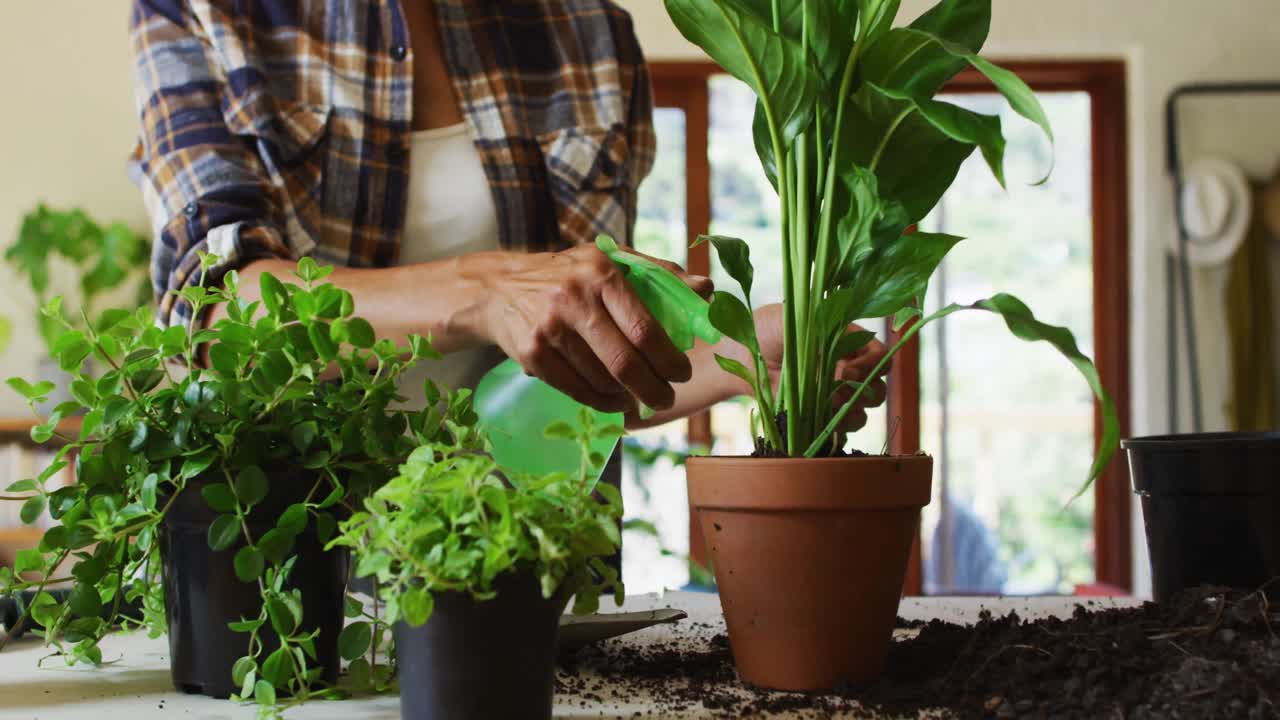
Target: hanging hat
[{"x": 1217, "y": 205}]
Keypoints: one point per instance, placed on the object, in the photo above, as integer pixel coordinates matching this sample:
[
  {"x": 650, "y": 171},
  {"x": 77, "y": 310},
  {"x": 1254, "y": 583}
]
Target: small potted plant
[
  {"x": 810, "y": 546},
  {"x": 475, "y": 564},
  {"x": 205, "y": 495}
]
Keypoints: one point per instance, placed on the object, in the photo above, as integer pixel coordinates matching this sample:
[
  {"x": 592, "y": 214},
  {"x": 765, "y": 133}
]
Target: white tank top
[{"x": 450, "y": 212}]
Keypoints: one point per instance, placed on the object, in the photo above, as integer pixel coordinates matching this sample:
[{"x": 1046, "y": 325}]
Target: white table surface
[{"x": 137, "y": 686}]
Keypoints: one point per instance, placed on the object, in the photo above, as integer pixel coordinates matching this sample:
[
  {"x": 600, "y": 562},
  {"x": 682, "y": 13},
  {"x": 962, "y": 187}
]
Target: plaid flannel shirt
[{"x": 280, "y": 128}]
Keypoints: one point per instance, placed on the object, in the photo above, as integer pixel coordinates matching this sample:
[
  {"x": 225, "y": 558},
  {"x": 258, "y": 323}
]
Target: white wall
[
  {"x": 66, "y": 128},
  {"x": 1165, "y": 43}
]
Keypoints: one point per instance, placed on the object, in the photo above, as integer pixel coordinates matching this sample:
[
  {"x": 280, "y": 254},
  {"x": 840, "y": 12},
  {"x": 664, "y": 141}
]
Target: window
[{"x": 1007, "y": 422}]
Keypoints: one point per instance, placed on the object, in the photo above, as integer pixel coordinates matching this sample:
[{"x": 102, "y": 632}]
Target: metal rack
[{"x": 1178, "y": 269}]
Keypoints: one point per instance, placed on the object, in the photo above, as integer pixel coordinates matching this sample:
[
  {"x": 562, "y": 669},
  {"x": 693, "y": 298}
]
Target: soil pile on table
[{"x": 1208, "y": 653}]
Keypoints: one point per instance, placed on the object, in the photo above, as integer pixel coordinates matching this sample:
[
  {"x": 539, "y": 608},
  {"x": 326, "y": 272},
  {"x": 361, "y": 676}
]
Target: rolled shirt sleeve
[{"x": 205, "y": 190}]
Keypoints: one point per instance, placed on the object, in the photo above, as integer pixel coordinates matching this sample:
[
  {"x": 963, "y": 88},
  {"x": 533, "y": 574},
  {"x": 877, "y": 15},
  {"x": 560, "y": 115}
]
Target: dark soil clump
[{"x": 1208, "y": 653}]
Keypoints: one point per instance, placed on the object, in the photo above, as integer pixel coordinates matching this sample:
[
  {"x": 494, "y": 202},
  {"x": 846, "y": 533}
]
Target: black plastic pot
[
  {"x": 493, "y": 659},
  {"x": 1211, "y": 506},
  {"x": 203, "y": 594}
]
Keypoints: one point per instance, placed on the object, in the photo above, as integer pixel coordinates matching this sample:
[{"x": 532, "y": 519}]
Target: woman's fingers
[
  {"x": 643, "y": 332},
  {"x": 558, "y": 371},
  {"x": 630, "y": 364}
]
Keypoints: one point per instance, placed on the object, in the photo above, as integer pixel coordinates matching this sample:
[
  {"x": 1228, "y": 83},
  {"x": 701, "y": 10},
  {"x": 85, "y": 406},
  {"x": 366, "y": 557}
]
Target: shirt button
[
  {"x": 191, "y": 209},
  {"x": 399, "y": 52}
]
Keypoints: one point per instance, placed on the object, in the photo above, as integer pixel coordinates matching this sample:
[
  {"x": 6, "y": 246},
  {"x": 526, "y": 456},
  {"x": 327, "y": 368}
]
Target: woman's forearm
[
  {"x": 444, "y": 300},
  {"x": 710, "y": 385}
]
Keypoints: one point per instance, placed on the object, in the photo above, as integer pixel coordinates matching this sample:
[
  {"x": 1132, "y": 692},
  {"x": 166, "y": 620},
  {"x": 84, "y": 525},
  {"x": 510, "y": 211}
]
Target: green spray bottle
[{"x": 517, "y": 409}]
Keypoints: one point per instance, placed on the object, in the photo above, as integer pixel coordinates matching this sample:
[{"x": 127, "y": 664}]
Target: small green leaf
[
  {"x": 360, "y": 333},
  {"x": 140, "y": 437},
  {"x": 325, "y": 527},
  {"x": 281, "y": 619},
  {"x": 18, "y": 486},
  {"x": 560, "y": 430},
  {"x": 352, "y": 607},
  {"x": 734, "y": 319},
  {"x": 27, "y": 560},
  {"x": 251, "y": 485},
  {"x": 223, "y": 532},
  {"x": 219, "y": 497},
  {"x": 241, "y": 669},
  {"x": 224, "y": 359},
  {"x": 320, "y": 340},
  {"x": 303, "y": 434},
  {"x": 294, "y": 519},
  {"x": 735, "y": 257},
  {"x": 354, "y": 640},
  {"x": 89, "y": 570},
  {"x": 276, "y": 544},
  {"x": 249, "y": 563},
  {"x": 273, "y": 291},
  {"x": 147, "y": 493},
  {"x": 264, "y": 693},
  {"x": 276, "y": 366},
  {"x": 360, "y": 673},
  {"x": 85, "y": 600},
  {"x": 31, "y": 509},
  {"x": 416, "y": 604},
  {"x": 736, "y": 368},
  {"x": 55, "y": 538}
]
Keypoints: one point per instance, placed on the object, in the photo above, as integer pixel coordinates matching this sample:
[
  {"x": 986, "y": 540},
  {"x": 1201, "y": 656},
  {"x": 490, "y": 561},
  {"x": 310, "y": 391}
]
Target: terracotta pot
[{"x": 809, "y": 557}]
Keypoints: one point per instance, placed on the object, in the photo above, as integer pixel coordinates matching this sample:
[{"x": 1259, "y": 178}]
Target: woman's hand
[
  {"x": 856, "y": 367},
  {"x": 571, "y": 319}
]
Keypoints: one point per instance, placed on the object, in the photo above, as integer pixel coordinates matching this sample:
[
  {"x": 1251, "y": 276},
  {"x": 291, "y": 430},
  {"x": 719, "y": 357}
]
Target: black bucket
[
  {"x": 493, "y": 659},
  {"x": 1211, "y": 506},
  {"x": 202, "y": 593}
]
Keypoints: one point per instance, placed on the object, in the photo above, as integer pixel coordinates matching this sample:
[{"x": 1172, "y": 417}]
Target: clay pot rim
[
  {"x": 915, "y": 457},
  {"x": 829, "y": 485}
]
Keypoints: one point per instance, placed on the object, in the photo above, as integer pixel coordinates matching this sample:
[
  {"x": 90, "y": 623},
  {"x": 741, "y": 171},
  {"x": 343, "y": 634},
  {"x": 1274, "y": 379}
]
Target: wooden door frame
[{"x": 684, "y": 85}]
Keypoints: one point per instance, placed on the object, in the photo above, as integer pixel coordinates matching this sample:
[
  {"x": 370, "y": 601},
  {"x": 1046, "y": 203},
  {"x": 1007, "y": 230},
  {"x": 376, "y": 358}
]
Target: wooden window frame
[{"x": 684, "y": 85}]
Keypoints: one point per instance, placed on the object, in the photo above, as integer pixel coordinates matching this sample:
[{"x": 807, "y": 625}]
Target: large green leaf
[
  {"x": 876, "y": 17},
  {"x": 895, "y": 62},
  {"x": 898, "y": 272},
  {"x": 963, "y": 22},
  {"x": 863, "y": 208},
  {"x": 918, "y": 163},
  {"x": 1024, "y": 325},
  {"x": 960, "y": 124},
  {"x": 745, "y": 45}
]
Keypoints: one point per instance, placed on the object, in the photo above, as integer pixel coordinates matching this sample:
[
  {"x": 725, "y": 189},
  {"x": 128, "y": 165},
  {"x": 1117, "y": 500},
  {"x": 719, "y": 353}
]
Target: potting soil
[{"x": 1207, "y": 653}]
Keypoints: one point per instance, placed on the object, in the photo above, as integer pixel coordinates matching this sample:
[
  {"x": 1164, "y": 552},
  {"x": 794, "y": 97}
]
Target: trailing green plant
[
  {"x": 453, "y": 521},
  {"x": 849, "y": 132},
  {"x": 155, "y": 427},
  {"x": 104, "y": 257}
]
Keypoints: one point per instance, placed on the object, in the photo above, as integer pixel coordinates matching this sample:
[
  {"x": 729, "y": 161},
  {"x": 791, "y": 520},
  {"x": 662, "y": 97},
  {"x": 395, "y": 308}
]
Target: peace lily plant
[
  {"x": 859, "y": 151},
  {"x": 850, "y": 133}
]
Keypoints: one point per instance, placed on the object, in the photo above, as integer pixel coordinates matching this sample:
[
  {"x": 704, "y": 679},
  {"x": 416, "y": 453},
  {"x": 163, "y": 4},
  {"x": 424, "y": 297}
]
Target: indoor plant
[
  {"x": 105, "y": 258},
  {"x": 475, "y": 564},
  {"x": 859, "y": 151},
  {"x": 205, "y": 494}
]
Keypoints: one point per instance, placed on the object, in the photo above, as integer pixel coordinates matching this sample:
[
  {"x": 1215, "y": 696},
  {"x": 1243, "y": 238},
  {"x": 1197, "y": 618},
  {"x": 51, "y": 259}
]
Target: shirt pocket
[
  {"x": 290, "y": 139},
  {"x": 588, "y": 175}
]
